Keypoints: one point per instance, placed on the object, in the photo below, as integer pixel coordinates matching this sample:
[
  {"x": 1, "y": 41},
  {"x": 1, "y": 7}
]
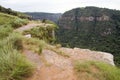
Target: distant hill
[
  {"x": 41, "y": 15},
  {"x": 12, "y": 12},
  {"x": 91, "y": 27}
]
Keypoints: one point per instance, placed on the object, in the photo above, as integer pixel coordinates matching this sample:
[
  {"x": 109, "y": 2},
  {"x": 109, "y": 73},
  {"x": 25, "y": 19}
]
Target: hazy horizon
[{"x": 56, "y": 6}]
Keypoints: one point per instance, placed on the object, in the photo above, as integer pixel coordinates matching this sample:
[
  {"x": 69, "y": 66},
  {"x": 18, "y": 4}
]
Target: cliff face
[
  {"x": 89, "y": 19},
  {"x": 91, "y": 27}
]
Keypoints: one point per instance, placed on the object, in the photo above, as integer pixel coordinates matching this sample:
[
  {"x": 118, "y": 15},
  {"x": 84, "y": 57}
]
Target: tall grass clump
[
  {"x": 13, "y": 65},
  {"x": 16, "y": 40},
  {"x": 96, "y": 71},
  {"x": 5, "y": 30},
  {"x": 13, "y": 39}
]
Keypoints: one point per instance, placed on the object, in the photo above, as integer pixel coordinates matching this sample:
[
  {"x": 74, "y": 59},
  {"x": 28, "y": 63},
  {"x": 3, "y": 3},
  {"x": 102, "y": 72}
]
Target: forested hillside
[
  {"x": 91, "y": 27},
  {"x": 40, "y": 16}
]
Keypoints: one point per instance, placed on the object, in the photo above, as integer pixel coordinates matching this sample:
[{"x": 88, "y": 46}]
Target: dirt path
[
  {"x": 30, "y": 26},
  {"x": 50, "y": 66}
]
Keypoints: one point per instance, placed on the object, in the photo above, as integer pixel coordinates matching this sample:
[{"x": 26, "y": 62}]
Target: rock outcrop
[{"x": 86, "y": 54}]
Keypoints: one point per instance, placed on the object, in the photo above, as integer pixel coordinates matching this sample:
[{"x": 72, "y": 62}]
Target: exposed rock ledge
[{"x": 86, "y": 54}]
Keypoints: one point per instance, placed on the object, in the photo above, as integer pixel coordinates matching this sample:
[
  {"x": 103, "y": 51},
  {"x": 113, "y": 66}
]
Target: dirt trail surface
[
  {"x": 30, "y": 26},
  {"x": 50, "y": 66}
]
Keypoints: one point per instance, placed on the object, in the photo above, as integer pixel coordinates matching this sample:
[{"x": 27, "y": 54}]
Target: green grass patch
[
  {"x": 5, "y": 30},
  {"x": 96, "y": 71}
]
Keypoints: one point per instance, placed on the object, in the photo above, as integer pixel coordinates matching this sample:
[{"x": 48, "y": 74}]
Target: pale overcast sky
[{"x": 56, "y": 6}]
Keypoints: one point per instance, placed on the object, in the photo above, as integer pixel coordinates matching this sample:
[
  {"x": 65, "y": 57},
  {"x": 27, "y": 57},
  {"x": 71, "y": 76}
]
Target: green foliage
[
  {"x": 13, "y": 65},
  {"x": 96, "y": 71}
]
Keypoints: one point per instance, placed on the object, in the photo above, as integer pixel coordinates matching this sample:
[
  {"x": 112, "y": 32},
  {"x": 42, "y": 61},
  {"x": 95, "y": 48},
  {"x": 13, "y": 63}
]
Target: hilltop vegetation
[
  {"x": 13, "y": 21},
  {"x": 93, "y": 28},
  {"x": 11, "y": 12}
]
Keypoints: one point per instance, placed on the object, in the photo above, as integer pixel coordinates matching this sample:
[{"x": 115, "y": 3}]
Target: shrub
[{"x": 41, "y": 32}]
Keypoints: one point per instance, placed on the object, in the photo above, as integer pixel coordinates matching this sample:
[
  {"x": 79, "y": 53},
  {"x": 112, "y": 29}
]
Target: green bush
[
  {"x": 90, "y": 70},
  {"x": 42, "y": 33}
]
